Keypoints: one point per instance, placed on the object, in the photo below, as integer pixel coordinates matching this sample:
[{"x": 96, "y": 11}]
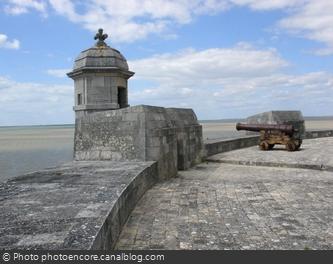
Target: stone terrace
[{"x": 215, "y": 205}]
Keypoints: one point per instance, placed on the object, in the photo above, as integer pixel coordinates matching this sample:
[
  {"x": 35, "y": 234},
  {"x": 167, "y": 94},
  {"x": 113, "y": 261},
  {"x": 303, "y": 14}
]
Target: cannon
[{"x": 270, "y": 135}]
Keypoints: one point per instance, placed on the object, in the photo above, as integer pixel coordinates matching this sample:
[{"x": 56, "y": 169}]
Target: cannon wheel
[
  {"x": 263, "y": 145},
  {"x": 298, "y": 144},
  {"x": 291, "y": 146}
]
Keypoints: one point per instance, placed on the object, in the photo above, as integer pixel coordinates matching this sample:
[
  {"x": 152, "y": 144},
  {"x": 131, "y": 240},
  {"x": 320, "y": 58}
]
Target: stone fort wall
[{"x": 170, "y": 136}]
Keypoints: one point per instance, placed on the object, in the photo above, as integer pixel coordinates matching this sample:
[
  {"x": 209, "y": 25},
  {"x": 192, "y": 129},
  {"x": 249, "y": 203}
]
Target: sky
[{"x": 223, "y": 58}]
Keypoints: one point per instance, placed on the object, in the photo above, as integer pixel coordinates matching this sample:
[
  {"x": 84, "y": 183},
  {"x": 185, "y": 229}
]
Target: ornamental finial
[{"x": 101, "y": 37}]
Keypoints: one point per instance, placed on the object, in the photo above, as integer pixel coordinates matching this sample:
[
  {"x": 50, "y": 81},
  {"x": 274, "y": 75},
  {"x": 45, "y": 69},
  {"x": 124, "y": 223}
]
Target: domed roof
[{"x": 100, "y": 57}]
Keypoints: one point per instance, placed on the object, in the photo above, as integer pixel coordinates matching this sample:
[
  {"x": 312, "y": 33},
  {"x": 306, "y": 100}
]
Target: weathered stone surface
[
  {"x": 81, "y": 205},
  {"x": 172, "y": 137},
  {"x": 189, "y": 137},
  {"x": 100, "y": 57},
  {"x": 226, "y": 206},
  {"x": 275, "y": 117}
]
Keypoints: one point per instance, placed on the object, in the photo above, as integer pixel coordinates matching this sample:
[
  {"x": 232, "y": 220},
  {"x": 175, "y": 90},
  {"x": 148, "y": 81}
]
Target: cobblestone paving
[{"x": 224, "y": 206}]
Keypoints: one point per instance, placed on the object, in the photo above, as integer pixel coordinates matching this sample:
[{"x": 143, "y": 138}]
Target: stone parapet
[
  {"x": 171, "y": 136},
  {"x": 80, "y": 205},
  {"x": 218, "y": 146}
]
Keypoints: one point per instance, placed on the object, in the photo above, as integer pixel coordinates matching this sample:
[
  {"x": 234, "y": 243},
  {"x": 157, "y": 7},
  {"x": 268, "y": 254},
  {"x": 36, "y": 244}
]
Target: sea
[{"x": 25, "y": 149}]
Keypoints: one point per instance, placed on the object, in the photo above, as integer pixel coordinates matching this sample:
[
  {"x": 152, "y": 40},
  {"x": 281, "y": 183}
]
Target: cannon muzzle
[{"x": 287, "y": 129}]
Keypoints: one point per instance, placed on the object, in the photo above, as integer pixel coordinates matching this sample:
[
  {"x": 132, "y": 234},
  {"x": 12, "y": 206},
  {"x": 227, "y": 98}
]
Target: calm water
[{"x": 27, "y": 149}]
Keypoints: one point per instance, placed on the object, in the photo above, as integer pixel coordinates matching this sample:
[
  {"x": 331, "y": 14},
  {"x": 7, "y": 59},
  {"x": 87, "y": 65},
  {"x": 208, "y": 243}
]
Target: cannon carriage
[{"x": 271, "y": 135}]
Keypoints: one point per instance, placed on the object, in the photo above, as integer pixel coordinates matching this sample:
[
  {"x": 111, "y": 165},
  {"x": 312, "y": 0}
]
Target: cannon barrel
[{"x": 287, "y": 129}]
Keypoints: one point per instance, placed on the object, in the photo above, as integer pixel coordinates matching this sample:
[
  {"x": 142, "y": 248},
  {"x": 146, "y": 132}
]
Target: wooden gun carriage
[{"x": 271, "y": 135}]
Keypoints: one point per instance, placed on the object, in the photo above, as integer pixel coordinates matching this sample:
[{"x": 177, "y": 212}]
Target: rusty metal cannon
[{"x": 270, "y": 135}]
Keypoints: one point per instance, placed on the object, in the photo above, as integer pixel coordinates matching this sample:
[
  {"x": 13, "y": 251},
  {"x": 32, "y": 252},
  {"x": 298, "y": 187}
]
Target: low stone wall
[
  {"x": 318, "y": 134},
  {"x": 215, "y": 147},
  {"x": 80, "y": 205}
]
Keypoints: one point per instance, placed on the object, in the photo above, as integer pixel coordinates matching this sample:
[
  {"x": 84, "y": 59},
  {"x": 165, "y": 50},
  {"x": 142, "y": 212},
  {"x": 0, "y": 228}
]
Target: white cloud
[
  {"x": 307, "y": 18},
  {"x": 268, "y": 5},
  {"x": 313, "y": 20},
  {"x": 5, "y": 43},
  {"x": 241, "y": 60},
  {"x": 18, "y": 7},
  {"x": 34, "y": 103},
  {"x": 131, "y": 20},
  {"x": 233, "y": 82},
  {"x": 59, "y": 73}
]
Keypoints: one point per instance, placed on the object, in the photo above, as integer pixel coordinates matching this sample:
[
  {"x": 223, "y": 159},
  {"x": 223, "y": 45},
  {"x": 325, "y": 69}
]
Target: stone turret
[
  {"x": 100, "y": 76},
  {"x": 107, "y": 129}
]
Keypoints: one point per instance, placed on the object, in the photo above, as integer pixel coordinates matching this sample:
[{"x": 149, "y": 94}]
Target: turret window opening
[{"x": 79, "y": 99}]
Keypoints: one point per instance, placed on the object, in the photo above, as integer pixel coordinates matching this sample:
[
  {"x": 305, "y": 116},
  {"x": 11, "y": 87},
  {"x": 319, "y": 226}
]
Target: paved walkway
[{"x": 227, "y": 206}]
